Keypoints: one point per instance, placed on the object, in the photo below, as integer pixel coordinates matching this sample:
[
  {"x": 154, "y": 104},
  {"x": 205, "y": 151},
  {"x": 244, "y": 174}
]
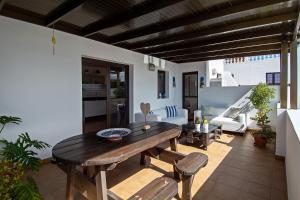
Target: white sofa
[
  {"x": 161, "y": 115},
  {"x": 231, "y": 118},
  {"x": 217, "y": 116}
]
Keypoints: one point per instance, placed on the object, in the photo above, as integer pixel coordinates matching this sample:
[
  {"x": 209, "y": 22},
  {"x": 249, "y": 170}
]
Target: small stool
[{"x": 187, "y": 168}]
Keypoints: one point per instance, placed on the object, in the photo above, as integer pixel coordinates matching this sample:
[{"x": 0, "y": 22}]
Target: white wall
[
  {"x": 253, "y": 72},
  {"x": 221, "y": 96},
  {"x": 292, "y": 158},
  {"x": 45, "y": 90}
]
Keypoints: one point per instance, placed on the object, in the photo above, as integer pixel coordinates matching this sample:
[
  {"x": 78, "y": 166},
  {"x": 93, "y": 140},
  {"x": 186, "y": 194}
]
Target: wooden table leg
[
  {"x": 70, "y": 182},
  {"x": 101, "y": 185},
  {"x": 173, "y": 145}
]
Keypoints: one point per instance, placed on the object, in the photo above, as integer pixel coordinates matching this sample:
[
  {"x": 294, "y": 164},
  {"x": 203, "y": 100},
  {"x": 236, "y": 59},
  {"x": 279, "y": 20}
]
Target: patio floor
[{"x": 236, "y": 170}]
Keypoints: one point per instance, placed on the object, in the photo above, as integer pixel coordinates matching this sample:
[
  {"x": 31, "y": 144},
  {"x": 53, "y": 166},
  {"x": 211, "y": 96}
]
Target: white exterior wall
[
  {"x": 252, "y": 72},
  {"x": 292, "y": 158},
  {"x": 45, "y": 89}
]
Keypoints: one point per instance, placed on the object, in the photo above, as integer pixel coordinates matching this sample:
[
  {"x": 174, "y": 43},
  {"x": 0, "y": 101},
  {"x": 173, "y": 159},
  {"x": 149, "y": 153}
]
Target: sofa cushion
[
  {"x": 171, "y": 111},
  {"x": 160, "y": 112},
  {"x": 227, "y": 123},
  {"x": 211, "y": 110},
  {"x": 232, "y": 113},
  {"x": 176, "y": 120}
]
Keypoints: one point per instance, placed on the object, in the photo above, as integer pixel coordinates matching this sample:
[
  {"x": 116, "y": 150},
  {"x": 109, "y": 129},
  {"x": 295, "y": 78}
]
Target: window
[
  {"x": 273, "y": 78},
  {"x": 163, "y": 86}
]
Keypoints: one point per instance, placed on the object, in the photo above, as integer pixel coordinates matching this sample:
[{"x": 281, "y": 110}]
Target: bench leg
[
  {"x": 173, "y": 145},
  {"x": 187, "y": 182},
  {"x": 70, "y": 182},
  {"x": 145, "y": 160}
]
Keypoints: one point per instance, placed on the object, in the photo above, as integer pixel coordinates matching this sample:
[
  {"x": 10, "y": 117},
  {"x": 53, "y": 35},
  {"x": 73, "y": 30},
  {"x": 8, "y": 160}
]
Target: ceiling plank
[
  {"x": 135, "y": 11},
  {"x": 243, "y": 35},
  {"x": 190, "y": 19},
  {"x": 297, "y": 26},
  {"x": 217, "y": 29},
  {"x": 2, "y": 2},
  {"x": 228, "y": 52},
  {"x": 62, "y": 10},
  {"x": 217, "y": 57},
  {"x": 217, "y": 47}
]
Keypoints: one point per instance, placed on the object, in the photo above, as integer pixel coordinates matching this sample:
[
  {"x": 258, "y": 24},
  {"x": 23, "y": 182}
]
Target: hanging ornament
[{"x": 53, "y": 40}]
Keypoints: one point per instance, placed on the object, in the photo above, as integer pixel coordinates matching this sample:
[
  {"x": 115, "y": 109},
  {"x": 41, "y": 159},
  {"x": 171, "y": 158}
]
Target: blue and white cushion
[
  {"x": 151, "y": 112},
  {"x": 171, "y": 111}
]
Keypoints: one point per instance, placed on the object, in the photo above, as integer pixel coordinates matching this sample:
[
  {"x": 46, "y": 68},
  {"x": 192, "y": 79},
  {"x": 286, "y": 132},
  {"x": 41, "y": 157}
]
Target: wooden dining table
[{"x": 87, "y": 158}]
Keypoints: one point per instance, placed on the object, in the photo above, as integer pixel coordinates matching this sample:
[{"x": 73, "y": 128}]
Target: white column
[{"x": 283, "y": 74}]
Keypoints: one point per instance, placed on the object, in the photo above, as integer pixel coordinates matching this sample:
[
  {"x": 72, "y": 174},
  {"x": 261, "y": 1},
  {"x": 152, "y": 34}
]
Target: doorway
[
  {"x": 190, "y": 93},
  {"x": 105, "y": 93}
]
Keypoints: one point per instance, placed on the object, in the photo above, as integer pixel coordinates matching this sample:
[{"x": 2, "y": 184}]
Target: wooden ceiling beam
[
  {"x": 297, "y": 25},
  {"x": 191, "y": 19},
  {"x": 243, "y": 35},
  {"x": 218, "y": 47},
  {"x": 217, "y": 57},
  {"x": 135, "y": 11},
  {"x": 62, "y": 10},
  {"x": 228, "y": 52},
  {"x": 216, "y": 29}
]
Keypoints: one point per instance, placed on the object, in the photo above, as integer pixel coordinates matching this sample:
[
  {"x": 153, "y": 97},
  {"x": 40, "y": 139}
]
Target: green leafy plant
[
  {"x": 260, "y": 97},
  {"x": 15, "y": 158},
  {"x": 197, "y": 121}
]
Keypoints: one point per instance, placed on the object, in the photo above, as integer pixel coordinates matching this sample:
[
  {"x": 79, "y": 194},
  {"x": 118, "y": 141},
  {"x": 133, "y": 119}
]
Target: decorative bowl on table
[{"x": 114, "y": 134}]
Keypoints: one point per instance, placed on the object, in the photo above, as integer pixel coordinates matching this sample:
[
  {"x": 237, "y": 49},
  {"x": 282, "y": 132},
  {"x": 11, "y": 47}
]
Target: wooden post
[
  {"x": 101, "y": 186},
  {"x": 283, "y": 74},
  {"x": 295, "y": 77}
]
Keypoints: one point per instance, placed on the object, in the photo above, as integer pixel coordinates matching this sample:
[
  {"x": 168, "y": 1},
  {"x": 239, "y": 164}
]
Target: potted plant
[
  {"x": 15, "y": 158},
  {"x": 198, "y": 123},
  {"x": 205, "y": 125},
  {"x": 260, "y": 97}
]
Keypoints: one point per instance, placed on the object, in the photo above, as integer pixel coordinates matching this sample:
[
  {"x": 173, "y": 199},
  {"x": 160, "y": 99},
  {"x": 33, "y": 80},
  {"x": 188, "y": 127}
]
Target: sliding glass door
[{"x": 118, "y": 104}]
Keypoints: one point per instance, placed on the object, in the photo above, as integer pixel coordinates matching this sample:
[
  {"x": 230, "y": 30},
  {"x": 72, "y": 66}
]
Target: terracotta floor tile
[
  {"x": 278, "y": 195},
  {"x": 249, "y": 196},
  {"x": 257, "y": 190},
  {"x": 224, "y": 192}
]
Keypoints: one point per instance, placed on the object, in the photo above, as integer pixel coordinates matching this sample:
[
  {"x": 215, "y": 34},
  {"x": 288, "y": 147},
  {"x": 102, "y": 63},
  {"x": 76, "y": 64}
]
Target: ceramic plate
[{"x": 114, "y": 133}]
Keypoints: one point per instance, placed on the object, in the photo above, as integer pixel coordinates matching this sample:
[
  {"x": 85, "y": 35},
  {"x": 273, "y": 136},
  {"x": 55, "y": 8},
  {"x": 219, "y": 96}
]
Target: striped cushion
[
  {"x": 171, "y": 111},
  {"x": 151, "y": 112}
]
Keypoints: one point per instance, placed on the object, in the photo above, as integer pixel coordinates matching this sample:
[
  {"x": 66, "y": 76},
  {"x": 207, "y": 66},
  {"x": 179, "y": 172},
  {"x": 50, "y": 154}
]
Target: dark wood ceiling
[{"x": 176, "y": 30}]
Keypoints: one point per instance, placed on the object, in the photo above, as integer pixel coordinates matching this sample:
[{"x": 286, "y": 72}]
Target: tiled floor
[{"x": 236, "y": 170}]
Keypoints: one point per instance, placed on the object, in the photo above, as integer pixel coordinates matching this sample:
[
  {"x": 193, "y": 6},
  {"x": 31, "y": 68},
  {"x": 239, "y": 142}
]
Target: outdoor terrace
[{"x": 236, "y": 170}]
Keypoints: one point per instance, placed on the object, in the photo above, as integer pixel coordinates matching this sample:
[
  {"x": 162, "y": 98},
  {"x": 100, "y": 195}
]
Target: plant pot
[
  {"x": 198, "y": 126},
  {"x": 205, "y": 128},
  {"x": 260, "y": 141}
]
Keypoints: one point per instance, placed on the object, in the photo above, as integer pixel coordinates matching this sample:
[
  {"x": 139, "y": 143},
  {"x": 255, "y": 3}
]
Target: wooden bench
[
  {"x": 162, "y": 188},
  {"x": 187, "y": 168}
]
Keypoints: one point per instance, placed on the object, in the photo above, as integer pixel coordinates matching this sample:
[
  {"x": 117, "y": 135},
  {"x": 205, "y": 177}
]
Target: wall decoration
[
  {"x": 151, "y": 67},
  {"x": 202, "y": 82},
  {"x": 174, "y": 81},
  {"x": 53, "y": 41}
]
